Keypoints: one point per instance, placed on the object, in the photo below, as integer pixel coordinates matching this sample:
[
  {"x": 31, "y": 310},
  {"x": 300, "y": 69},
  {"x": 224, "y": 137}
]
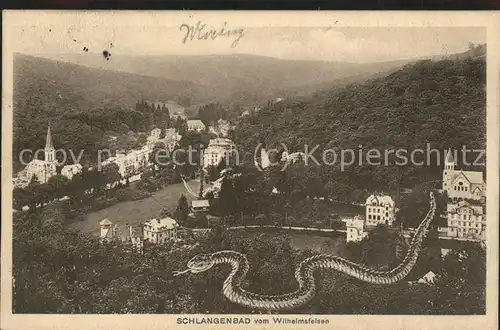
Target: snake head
[{"x": 201, "y": 263}]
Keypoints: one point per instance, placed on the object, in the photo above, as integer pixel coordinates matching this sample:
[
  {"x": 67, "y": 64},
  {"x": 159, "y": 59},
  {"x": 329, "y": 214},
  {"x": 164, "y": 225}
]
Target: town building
[
  {"x": 466, "y": 220},
  {"x": 171, "y": 139},
  {"x": 70, "y": 170},
  {"x": 195, "y": 125},
  {"x": 293, "y": 157},
  {"x": 130, "y": 163},
  {"x": 217, "y": 150},
  {"x": 153, "y": 138},
  {"x": 43, "y": 170},
  {"x": 462, "y": 184},
  {"x": 200, "y": 207},
  {"x": 427, "y": 279},
  {"x": 222, "y": 128},
  {"x": 380, "y": 209},
  {"x": 172, "y": 133},
  {"x": 159, "y": 231},
  {"x": 355, "y": 229},
  {"x": 124, "y": 234}
]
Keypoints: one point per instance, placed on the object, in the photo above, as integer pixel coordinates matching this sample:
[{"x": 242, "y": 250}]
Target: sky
[{"x": 351, "y": 44}]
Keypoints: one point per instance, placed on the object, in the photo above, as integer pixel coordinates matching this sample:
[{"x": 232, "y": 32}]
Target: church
[
  {"x": 44, "y": 169},
  {"x": 462, "y": 184}
]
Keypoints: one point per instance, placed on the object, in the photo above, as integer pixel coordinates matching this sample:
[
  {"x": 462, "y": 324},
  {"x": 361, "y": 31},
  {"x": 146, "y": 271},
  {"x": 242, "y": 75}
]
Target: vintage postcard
[{"x": 261, "y": 170}]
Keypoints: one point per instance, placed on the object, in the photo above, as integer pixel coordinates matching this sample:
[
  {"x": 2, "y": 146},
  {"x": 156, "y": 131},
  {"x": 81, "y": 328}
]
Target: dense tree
[
  {"x": 182, "y": 209},
  {"x": 210, "y": 113},
  {"x": 59, "y": 186},
  {"x": 430, "y": 102}
]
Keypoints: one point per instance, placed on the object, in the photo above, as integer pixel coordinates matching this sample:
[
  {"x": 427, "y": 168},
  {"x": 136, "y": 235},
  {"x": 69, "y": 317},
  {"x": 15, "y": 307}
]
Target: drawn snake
[{"x": 304, "y": 274}]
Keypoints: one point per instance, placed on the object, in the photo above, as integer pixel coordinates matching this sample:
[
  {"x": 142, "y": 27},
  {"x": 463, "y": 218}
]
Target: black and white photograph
[{"x": 230, "y": 172}]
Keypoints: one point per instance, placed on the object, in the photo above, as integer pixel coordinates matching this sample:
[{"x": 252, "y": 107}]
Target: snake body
[{"x": 232, "y": 287}]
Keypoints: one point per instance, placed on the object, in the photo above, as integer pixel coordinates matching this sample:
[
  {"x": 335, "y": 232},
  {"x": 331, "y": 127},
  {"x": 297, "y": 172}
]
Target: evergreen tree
[
  {"x": 182, "y": 210},
  {"x": 166, "y": 116}
]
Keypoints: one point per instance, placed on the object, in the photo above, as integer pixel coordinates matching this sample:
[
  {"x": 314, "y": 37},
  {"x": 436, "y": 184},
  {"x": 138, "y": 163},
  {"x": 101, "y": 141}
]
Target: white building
[
  {"x": 427, "y": 278},
  {"x": 195, "y": 125},
  {"x": 130, "y": 163},
  {"x": 380, "y": 210},
  {"x": 217, "y": 150},
  {"x": 172, "y": 133},
  {"x": 466, "y": 220},
  {"x": 222, "y": 128},
  {"x": 160, "y": 230},
  {"x": 293, "y": 157},
  {"x": 44, "y": 169},
  {"x": 462, "y": 184},
  {"x": 70, "y": 170},
  {"x": 153, "y": 138},
  {"x": 356, "y": 230},
  {"x": 200, "y": 206},
  {"x": 124, "y": 234},
  {"x": 171, "y": 139}
]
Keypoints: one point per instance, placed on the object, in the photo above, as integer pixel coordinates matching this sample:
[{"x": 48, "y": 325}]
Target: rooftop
[
  {"x": 201, "y": 203},
  {"x": 473, "y": 176},
  {"x": 164, "y": 223},
  {"x": 105, "y": 222},
  {"x": 195, "y": 122},
  {"x": 381, "y": 199}
]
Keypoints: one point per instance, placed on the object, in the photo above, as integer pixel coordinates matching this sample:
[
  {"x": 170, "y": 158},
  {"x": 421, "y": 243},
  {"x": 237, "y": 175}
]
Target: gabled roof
[
  {"x": 165, "y": 223},
  {"x": 473, "y": 176},
  {"x": 380, "y": 199},
  {"x": 105, "y": 222},
  {"x": 427, "y": 278},
  {"x": 201, "y": 203},
  {"x": 195, "y": 122}
]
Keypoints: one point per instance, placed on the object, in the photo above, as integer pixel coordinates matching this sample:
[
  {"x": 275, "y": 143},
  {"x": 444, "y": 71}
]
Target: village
[{"x": 465, "y": 210}]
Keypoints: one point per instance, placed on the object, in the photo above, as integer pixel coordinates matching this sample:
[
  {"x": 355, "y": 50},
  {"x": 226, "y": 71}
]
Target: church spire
[
  {"x": 48, "y": 142},
  {"x": 449, "y": 162},
  {"x": 50, "y": 152}
]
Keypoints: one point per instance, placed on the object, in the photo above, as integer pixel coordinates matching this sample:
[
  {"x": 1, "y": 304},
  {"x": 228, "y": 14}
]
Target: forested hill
[
  {"x": 46, "y": 83},
  {"x": 47, "y": 89},
  {"x": 240, "y": 78},
  {"x": 438, "y": 102}
]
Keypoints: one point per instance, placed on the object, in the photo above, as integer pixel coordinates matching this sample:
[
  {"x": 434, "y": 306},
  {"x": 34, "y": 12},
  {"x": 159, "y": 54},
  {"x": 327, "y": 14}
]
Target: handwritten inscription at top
[{"x": 200, "y": 31}]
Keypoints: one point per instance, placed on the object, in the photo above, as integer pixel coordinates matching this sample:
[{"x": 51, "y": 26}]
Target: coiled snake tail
[{"x": 232, "y": 287}]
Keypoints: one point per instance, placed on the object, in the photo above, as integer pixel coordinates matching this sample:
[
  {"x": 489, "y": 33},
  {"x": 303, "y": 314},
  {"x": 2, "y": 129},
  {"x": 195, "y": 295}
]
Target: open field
[{"x": 136, "y": 212}]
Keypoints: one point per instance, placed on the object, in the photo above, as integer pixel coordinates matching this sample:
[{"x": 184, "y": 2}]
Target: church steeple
[
  {"x": 449, "y": 162},
  {"x": 449, "y": 167},
  {"x": 50, "y": 152}
]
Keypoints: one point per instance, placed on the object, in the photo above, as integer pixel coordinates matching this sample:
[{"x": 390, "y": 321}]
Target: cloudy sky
[{"x": 363, "y": 44}]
